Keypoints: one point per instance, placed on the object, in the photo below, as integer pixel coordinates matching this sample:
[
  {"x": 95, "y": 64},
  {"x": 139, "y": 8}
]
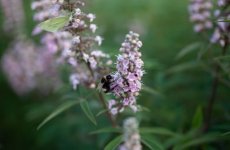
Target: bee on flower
[{"x": 126, "y": 83}]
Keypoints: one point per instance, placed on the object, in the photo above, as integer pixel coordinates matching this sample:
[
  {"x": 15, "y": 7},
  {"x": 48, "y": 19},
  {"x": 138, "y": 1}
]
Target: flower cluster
[
  {"x": 131, "y": 136},
  {"x": 88, "y": 63},
  {"x": 14, "y": 15},
  {"x": 28, "y": 67},
  {"x": 82, "y": 45},
  {"x": 44, "y": 10},
  {"x": 222, "y": 28},
  {"x": 127, "y": 79},
  {"x": 53, "y": 42},
  {"x": 200, "y": 14}
]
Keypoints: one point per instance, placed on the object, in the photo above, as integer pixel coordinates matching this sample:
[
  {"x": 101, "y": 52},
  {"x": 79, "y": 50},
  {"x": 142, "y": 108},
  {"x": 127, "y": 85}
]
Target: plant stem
[
  {"x": 211, "y": 101},
  {"x": 102, "y": 101}
]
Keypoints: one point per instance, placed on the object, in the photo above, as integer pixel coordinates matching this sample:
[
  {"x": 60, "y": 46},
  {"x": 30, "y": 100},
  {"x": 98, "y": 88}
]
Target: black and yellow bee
[{"x": 106, "y": 82}]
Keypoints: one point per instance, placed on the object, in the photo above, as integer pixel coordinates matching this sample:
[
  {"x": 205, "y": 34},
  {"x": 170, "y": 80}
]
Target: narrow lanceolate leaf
[
  {"x": 199, "y": 140},
  {"x": 184, "y": 67},
  {"x": 198, "y": 118},
  {"x": 151, "y": 91},
  {"x": 142, "y": 108},
  {"x": 107, "y": 130},
  {"x": 151, "y": 143},
  {"x": 176, "y": 140},
  {"x": 65, "y": 106},
  {"x": 227, "y": 58},
  {"x": 101, "y": 112},
  {"x": 157, "y": 130},
  {"x": 226, "y": 133},
  {"x": 112, "y": 145},
  {"x": 86, "y": 109},
  {"x": 54, "y": 24},
  {"x": 188, "y": 49}
]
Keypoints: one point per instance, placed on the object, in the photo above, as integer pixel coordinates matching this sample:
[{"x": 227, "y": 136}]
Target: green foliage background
[{"x": 165, "y": 30}]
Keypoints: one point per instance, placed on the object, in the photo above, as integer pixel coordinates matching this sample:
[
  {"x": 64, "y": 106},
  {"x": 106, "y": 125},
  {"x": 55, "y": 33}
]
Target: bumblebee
[{"x": 105, "y": 83}]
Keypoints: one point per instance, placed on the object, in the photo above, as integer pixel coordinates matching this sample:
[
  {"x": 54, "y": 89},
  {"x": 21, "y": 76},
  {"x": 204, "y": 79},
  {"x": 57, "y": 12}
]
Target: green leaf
[
  {"x": 69, "y": 96},
  {"x": 65, "y": 106},
  {"x": 142, "y": 108},
  {"x": 183, "y": 67},
  {"x": 188, "y": 49},
  {"x": 101, "y": 112},
  {"x": 151, "y": 91},
  {"x": 86, "y": 109},
  {"x": 198, "y": 118},
  {"x": 199, "y": 140},
  {"x": 54, "y": 24},
  {"x": 114, "y": 143},
  {"x": 227, "y": 58},
  {"x": 151, "y": 143},
  {"x": 157, "y": 130},
  {"x": 181, "y": 139},
  {"x": 226, "y": 133},
  {"x": 107, "y": 130}
]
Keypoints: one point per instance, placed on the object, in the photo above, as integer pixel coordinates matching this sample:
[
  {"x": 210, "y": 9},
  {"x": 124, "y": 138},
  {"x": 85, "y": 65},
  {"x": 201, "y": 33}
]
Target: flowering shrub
[
  {"x": 137, "y": 96},
  {"x": 87, "y": 62}
]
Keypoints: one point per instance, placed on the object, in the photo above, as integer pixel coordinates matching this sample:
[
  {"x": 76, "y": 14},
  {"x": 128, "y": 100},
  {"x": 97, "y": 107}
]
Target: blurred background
[{"x": 176, "y": 87}]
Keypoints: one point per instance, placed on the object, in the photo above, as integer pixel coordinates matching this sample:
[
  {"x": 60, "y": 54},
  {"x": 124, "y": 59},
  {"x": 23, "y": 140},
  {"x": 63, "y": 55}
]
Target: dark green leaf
[
  {"x": 226, "y": 133},
  {"x": 54, "y": 24},
  {"x": 151, "y": 143},
  {"x": 183, "y": 67},
  {"x": 142, "y": 108},
  {"x": 114, "y": 143},
  {"x": 188, "y": 49},
  {"x": 151, "y": 91},
  {"x": 199, "y": 140},
  {"x": 86, "y": 109},
  {"x": 225, "y": 58},
  {"x": 175, "y": 140},
  {"x": 65, "y": 106},
  {"x": 198, "y": 118},
  {"x": 107, "y": 130},
  {"x": 101, "y": 112},
  {"x": 157, "y": 130},
  {"x": 203, "y": 50}
]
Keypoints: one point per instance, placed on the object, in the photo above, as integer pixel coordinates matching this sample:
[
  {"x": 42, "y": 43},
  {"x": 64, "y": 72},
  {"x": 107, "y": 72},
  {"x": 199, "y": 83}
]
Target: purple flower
[
  {"x": 29, "y": 68},
  {"x": 200, "y": 14},
  {"x": 127, "y": 79},
  {"x": 84, "y": 59},
  {"x": 14, "y": 16},
  {"x": 131, "y": 136},
  {"x": 222, "y": 28}
]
